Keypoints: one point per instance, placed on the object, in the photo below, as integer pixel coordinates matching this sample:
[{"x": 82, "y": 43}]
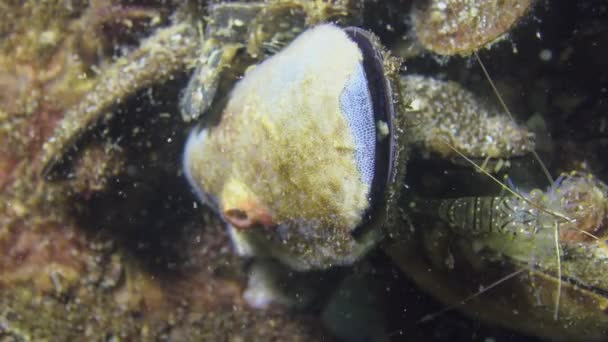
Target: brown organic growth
[
  {"x": 66, "y": 273},
  {"x": 148, "y": 64},
  {"x": 461, "y": 27},
  {"x": 121, "y": 249}
]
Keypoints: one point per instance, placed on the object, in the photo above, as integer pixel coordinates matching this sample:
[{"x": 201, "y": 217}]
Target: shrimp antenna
[
  {"x": 547, "y": 174},
  {"x": 506, "y": 109},
  {"x": 436, "y": 314},
  {"x": 559, "y": 271},
  {"x": 555, "y": 234},
  {"x": 513, "y": 192}
]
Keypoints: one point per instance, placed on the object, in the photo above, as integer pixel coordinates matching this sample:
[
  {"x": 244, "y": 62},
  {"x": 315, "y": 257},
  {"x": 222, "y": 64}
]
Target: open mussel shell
[{"x": 300, "y": 158}]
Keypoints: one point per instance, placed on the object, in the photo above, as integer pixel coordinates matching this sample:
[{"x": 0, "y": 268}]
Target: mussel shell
[{"x": 323, "y": 97}]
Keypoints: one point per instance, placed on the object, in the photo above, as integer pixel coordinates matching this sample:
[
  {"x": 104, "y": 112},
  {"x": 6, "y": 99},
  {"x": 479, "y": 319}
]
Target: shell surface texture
[{"x": 297, "y": 161}]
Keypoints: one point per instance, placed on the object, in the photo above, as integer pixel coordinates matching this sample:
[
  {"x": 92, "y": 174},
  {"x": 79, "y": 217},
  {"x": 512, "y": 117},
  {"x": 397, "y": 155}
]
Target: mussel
[{"x": 299, "y": 160}]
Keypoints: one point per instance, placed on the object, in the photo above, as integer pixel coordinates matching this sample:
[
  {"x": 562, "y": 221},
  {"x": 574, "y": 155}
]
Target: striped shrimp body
[{"x": 575, "y": 202}]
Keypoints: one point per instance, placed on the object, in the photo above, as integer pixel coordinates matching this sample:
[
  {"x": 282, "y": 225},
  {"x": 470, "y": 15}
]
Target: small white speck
[
  {"x": 416, "y": 104},
  {"x": 545, "y": 55}
]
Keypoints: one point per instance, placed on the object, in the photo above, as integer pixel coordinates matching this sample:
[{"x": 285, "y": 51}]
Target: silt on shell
[{"x": 301, "y": 154}]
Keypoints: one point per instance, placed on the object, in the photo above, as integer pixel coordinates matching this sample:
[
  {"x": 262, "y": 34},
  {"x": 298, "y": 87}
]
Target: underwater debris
[
  {"x": 95, "y": 168},
  {"x": 461, "y": 27}
]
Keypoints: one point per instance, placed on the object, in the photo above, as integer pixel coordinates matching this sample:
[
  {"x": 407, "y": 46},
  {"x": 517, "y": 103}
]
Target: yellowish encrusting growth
[{"x": 283, "y": 148}]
